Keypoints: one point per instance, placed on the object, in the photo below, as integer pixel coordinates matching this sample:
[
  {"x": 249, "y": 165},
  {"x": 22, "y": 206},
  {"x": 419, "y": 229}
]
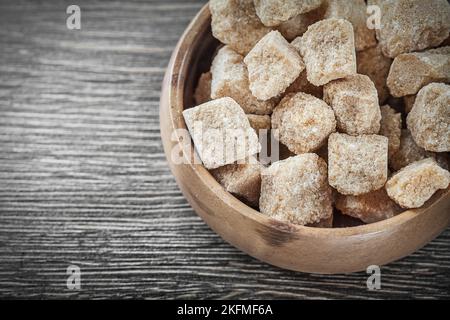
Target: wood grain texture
[{"x": 83, "y": 178}]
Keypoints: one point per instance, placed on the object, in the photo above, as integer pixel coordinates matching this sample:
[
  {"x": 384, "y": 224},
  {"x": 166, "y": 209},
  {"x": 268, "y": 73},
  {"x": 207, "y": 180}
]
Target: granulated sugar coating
[
  {"x": 328, "y": 49},
  {"x": 273, "y": 65},
  {"x": 412, "y": 71},
  {"x": 234, "y": 22},
  {"x": 242, "y": 180},
  {"x": 303, "y": 122},
  {"x": 230, "y": 79},
  {"x": 429, "y": 119},
  {"x": 274, "y": 12},
  {"x": 391, "y": 128},
  {"x": 370, "y": 207},
  {"x": 357, "y": 165},
  {"x": 296, "y": 190},
  {"x": 221, "y": 132},
  {"x": 412, "y": 25},
  {"x": 413, "y": 185},
  {"x": 355, "y": 103}
]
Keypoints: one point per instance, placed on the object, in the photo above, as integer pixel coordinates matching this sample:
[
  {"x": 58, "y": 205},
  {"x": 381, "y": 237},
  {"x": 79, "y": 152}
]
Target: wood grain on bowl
[{"x": 315, "y": 250}]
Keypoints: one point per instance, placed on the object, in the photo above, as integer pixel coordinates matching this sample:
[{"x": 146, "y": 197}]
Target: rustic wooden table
[{"x": 84, "y": 181}]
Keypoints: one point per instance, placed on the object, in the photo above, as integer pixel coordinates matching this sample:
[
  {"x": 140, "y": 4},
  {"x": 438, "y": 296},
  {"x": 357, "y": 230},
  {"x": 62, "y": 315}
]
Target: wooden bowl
[{"x": 315, "y": 250}]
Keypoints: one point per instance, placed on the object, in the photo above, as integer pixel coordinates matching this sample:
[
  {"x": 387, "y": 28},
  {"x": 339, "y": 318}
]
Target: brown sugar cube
[
  {"x": 296, "y": 190},
  {"x": 446, "y": 42},
  {"x": 370, "y": 207},
  {"x": 408, "y": 102},
  {"x": 410, "y": 152},
  {"x": 355, "y": 11},
  {"x": 221, "y": 132},
  {"x": 355, "y": 103},
  {"x": 303, "y": 122},
  {"x": 274, "y": 12},
  {"x": 328, "y": 49},
  {"x": 234, "y": 22},
  {"x": 242, "y": 180},
  {"x": 323, "y": 152},
  {"x": 203, "y": 91},
  {"x": 230, "y": 79},
  {"x": 324, "y": 223},
  {"x": 413, "y": 185},
  {"x": 298, "y": 25},
  {"x": 412, "y": 71},
  {"x": 375, "y": 65},
  {"x": 259, "y": 122},
  {"x": 412, "y": 25},
  {"x": 284, "y": 152},
  {"x": 429, "y": 119},
  {"x": 273, "y": 64},
  {"x": 357, "y": 165},
  {"x": 301, "y": 84},
  {"x": 391, "y": 128}
]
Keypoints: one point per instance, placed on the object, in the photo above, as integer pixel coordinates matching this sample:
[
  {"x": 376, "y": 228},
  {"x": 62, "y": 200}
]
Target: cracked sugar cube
[
  {"x": 376, "y": 66},
  {"x": 355, "y": 11},
  {"x": 230, "y": 79},
  {"x": 221, "y": 132},
  {"x": 391, "y": 128},
  {"x": 273, "y": 65},
  {"x": 303, "y": 122},
  {"x": 203, "y": 91},
  {"x": 259, "y": 122},
  {"x": 412, "y": 25},
  {"x": 274, "y": 12},
  {"x": 413, "y": 185},
  {"x": 328, "y": 50},
  {"x": 355, "y": 103},
  {"x": 242, "y": 180},
  {"x": 429, "y": 119},
  {"x": 357, "y": 165},
  {"x": 370, "y": 207},
  {"x": 235, "y": 23},
  {"x": 296, "y": 190},
  {"x": 412, "y": 71},
  {"x": 298, "y": 25}
]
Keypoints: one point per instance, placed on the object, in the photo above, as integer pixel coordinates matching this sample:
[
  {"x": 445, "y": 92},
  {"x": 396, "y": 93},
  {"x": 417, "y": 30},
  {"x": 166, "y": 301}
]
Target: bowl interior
[{"x": 203, "y": 47}]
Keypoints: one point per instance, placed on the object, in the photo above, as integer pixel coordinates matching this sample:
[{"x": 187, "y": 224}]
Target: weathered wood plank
[{"x": 83, "y": 179}]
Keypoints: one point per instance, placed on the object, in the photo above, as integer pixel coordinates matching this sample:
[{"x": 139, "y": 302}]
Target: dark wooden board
[{"x": 84, "y": 181}]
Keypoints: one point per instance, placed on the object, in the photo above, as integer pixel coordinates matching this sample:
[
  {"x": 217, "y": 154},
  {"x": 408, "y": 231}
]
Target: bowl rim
[{"x": 176, "y": 66}]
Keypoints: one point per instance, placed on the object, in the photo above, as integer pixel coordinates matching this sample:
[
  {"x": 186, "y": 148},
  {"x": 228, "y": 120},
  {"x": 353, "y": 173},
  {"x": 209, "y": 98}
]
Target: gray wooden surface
[{"x": 84, "y": 181}]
